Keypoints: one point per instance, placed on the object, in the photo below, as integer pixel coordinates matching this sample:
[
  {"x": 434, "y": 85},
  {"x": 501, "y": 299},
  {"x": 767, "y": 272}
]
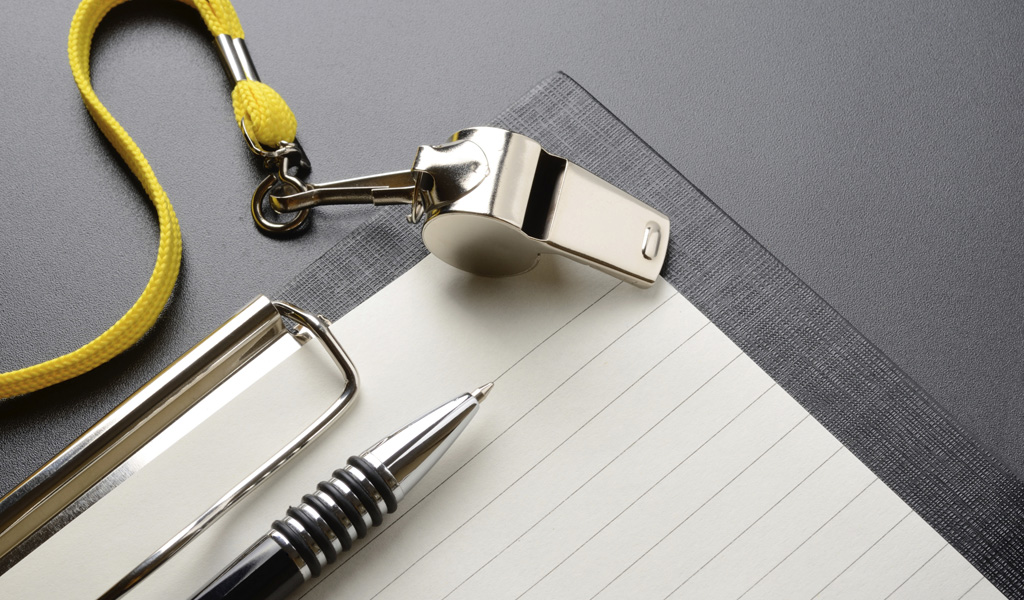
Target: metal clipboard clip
[
  {"x": 491, "y": 201},
  {"x": 130, "y": 435}
]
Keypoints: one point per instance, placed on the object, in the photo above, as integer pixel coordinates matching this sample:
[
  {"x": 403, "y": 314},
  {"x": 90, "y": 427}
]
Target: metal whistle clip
[{"x": 492, "y": 202}]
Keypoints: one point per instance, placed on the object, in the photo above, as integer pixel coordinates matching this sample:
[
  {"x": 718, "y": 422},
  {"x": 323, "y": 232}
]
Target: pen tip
[{"x": 481, "y": 392}]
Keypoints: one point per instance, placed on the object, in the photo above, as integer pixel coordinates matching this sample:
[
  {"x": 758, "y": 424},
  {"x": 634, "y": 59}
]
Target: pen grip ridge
[{"x": 348, "y": 475}]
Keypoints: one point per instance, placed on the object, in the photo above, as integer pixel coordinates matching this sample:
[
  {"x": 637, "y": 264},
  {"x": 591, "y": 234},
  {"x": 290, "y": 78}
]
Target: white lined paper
[{"x": 629, "y": 450}]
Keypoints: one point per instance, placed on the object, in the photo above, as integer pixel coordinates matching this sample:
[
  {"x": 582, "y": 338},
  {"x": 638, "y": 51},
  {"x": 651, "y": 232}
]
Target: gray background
[{"x": 876, "y": 149}]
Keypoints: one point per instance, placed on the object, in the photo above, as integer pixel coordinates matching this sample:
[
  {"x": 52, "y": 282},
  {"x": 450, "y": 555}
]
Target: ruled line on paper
[
  {"x": 630, "y": 505},
  {"x": 863, "y": 554},
  {"x": 916, "y": 571},
  {"x": 971, "y": 589},
  {"x": 755, "y": 522},
  {"x": 800, "y": 545},
  {"x": 705, "y": 503}
]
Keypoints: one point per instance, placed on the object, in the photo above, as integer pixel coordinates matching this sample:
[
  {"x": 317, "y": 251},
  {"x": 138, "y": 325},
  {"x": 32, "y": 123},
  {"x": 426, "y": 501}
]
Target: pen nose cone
[
  {"x": 411, "y": 451},
  {"x": 481, "y": 392}
]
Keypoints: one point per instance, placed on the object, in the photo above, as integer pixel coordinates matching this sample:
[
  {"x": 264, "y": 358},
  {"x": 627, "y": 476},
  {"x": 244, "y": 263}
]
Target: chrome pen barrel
[
  {"x": 342, "y": 509},
  {"x": 345, "y": 507}
]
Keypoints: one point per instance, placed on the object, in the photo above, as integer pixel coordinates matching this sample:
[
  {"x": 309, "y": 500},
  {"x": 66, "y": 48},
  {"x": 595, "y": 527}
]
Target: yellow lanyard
[{"x": 268, "y": 119}]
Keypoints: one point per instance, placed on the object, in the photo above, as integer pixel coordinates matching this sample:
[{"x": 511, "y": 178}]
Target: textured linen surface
[{"x": 853, "y": 389}]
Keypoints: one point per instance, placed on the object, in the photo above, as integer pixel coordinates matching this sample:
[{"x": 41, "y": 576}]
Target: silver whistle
[{"x": 491, "y": 202}]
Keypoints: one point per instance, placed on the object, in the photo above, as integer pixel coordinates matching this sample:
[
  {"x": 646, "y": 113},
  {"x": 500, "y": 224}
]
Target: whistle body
[{"x": 495, "y": 201}]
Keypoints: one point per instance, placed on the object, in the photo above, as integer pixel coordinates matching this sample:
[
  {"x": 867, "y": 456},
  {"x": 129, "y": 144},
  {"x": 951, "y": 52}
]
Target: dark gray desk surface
[{"x": 876, "y": 148}]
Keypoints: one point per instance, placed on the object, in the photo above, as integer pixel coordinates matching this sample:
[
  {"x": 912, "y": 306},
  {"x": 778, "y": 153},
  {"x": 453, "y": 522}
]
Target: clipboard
[{"x": 960, "y": 489}]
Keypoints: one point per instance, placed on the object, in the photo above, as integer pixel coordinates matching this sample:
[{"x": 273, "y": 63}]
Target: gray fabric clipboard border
[{"x": 853, "y": 389}]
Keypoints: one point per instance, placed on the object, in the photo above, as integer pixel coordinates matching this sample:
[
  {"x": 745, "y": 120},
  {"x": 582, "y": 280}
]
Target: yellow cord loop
[
  {"x": 220, "y": 17},
  {"x": 265, "y": 111},
  {"x": 269, "y": 119}
]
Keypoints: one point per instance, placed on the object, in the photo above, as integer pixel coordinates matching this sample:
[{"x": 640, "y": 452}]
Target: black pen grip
[
  {"x": 264, "y": 572},
  {"x": 316, "y": 531}
]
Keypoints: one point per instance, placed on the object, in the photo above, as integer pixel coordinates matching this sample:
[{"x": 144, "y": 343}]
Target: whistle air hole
[{"x": 546, "y": 182}]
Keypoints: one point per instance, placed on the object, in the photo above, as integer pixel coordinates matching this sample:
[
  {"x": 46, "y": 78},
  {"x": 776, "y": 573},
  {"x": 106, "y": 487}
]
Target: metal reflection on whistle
[{"x": 492, "y": 201}]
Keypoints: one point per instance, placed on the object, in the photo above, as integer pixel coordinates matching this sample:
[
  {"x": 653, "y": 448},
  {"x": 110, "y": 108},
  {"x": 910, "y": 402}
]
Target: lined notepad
[{"x": 628, "y": 450}]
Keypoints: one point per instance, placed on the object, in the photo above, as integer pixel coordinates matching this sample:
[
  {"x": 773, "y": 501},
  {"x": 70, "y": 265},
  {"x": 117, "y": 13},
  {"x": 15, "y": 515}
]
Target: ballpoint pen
[{"x": 343, "y": 508}]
